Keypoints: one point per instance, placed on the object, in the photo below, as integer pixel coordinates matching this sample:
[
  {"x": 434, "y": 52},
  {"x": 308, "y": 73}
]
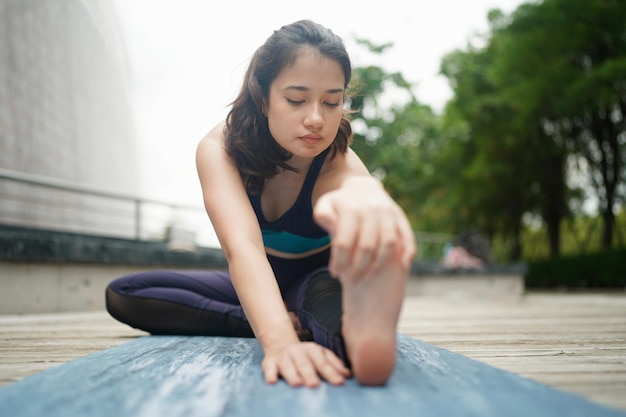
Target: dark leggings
[{"x": 204, "y": 303}]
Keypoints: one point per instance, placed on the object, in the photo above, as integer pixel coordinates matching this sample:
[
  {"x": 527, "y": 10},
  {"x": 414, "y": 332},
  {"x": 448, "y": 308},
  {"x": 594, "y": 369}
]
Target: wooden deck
[{"x": 573, "y": 342}]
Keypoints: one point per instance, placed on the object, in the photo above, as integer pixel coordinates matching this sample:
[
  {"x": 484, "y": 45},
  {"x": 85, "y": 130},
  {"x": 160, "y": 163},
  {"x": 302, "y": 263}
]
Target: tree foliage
[
  {"x": 536, "y": 126},
  {"x": 547, "y": 88},
  {"x": 573, "y": 87}
]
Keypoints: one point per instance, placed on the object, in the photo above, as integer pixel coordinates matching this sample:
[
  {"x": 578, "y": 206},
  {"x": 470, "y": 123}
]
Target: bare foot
[{"x": 371, "y": 308}]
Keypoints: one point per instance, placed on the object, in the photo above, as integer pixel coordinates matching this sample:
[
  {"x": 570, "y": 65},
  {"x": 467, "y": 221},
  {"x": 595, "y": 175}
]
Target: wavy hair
[{"x": 249, "y": 142}]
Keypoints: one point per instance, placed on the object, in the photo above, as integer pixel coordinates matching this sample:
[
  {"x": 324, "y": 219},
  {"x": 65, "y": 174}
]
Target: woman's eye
[
  {"x": 295, "y": 102},
  {"x": 332, "y": 104}
]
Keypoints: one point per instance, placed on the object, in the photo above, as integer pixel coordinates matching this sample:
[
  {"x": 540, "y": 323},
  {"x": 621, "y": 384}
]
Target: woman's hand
[
  {"x": 368, "y": 229},
  {"x": 303, "y": 364}
]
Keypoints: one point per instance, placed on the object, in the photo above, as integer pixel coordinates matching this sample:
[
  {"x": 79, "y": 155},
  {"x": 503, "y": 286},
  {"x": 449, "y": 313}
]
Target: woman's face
[{"x": 305, "y": 104}]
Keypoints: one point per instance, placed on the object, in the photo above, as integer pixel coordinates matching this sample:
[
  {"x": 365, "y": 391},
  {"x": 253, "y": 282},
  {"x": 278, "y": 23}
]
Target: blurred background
[{"x": 497, "y": 125}]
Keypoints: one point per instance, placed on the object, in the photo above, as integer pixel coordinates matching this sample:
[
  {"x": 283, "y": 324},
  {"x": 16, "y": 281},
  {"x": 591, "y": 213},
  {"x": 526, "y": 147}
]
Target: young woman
[{"x": 312, "y": 240}]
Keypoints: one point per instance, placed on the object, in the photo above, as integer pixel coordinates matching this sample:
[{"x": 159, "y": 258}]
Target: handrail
[
  {"x": 81, "y": 188},
  {"x": 65, "y": 185},
  {"x": 58, "y": 184}
]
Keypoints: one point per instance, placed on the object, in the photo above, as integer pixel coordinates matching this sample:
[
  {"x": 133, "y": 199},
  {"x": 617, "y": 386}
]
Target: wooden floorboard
[{"x": 573, "y": 342}]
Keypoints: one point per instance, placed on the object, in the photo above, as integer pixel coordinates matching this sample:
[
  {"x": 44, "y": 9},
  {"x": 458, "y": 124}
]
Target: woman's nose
[{"x": 314, "y": 117}]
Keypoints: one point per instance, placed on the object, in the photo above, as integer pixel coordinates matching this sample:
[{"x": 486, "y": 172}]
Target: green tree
[
  {"x": 493, "y": 185},
  {"x": 547, "y": 88},
  {"x": 543, "y": 93},
  {"x": 564, "y": 61},
  {"x": 397, "y": 142}
]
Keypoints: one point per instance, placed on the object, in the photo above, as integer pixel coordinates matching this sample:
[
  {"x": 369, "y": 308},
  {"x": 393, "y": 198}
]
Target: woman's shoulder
[
  {"x": 212, "y": 143},
  {"x": 344, "y": 163},
  {"x": 216, "y": 135},
  {"x": 211, "y": 155},
  {"x": 339, "y": 167}
]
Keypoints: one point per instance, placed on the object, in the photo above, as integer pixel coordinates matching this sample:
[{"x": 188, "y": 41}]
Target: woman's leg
[
  {"x": 178, "y": 302},
  {"x": 356, "y": 320},
  {"x": 371, "y": 309},
  {"x": 316, "y": 299}
]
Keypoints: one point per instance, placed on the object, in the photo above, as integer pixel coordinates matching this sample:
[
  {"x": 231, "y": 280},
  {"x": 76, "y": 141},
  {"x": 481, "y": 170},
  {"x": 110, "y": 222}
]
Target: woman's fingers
[
  {"x": 331, "y": 215},
  {"x": 290, "y": 371},
  {"x": 328, "y": 365},
  {"x": 305, "y": 364},
  {"x": 343, "y": 240},
  {"x": 366, "y": 242},
  {"x": 270, "y": 371},
  {"x": 368, "y": 230},
  {"x": 337, "y": 363},
  {"x": 333, "y": 369},
  {"x": 365, "y": 246},
  {"x": 409, "y": 246},
  {"x": 307, "y": 371},
  {"x": 324, "y": 213},
  {"x": 386, "y": 244}
]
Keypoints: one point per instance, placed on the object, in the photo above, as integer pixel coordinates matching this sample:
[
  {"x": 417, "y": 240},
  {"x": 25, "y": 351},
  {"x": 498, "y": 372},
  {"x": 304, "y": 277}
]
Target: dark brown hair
[{"x": 248, "y": 139}]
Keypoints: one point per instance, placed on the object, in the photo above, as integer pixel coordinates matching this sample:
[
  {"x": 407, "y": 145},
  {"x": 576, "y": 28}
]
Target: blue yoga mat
[{"x": 170, "y": 376}]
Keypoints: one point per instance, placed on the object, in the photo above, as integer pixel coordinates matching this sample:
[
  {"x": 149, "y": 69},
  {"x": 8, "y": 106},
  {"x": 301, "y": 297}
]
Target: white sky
[{"x": 187, "y": 59}]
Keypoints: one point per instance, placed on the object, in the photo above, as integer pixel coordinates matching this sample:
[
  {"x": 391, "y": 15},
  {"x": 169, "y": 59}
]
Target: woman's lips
[{"x": 311, "y": 139}]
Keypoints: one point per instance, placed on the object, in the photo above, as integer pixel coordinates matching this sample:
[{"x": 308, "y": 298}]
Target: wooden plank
[
  {"x": 201, "y": 376},
  {"x": 494, "y": 331},
  {"x": 576, "y": 342},
  {"x": 33, "y": 343}
]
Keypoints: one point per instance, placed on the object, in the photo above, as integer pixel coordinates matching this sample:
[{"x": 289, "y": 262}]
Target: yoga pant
[{"x": 204, "y": 303}]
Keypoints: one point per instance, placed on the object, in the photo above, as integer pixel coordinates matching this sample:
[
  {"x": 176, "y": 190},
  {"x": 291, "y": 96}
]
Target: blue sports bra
[{"x": 295, "y": 232}]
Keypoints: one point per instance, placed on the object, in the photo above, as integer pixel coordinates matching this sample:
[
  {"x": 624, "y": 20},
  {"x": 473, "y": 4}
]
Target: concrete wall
[
  {"x": 30, "y": 287},
  {"x": 44, "y": 288},
  {"x": 56, "y": 287},
  {"x": 483, "y": 285},
  {"x": 47, "y": 271},
  {"x": 65, "y": 114}
]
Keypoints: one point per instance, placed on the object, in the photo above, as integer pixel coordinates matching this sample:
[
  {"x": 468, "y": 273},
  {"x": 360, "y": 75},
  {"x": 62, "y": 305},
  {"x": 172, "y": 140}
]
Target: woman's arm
[
  {"x": 238, "y": 231},
  {"x": 239, "y": 234},
  {"x": 368, "y": 229}
]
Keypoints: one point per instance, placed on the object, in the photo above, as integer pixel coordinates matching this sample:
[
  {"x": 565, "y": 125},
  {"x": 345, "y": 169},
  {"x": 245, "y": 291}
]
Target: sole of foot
[{"x": 371, "y": 309}]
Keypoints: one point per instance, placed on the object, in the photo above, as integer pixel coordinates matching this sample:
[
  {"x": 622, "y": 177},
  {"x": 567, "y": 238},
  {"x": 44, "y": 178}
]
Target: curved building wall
[{"x": 65, "y": 114}]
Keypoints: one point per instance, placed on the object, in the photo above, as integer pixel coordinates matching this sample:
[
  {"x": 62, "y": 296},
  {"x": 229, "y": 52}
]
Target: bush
[{"x": 599, "y": 270}]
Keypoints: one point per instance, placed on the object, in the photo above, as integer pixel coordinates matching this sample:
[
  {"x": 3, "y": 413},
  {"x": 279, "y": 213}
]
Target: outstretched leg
[
  {"x": 316, "y": 300},
  {"x": 371, "y": 309},
  {"x": 357, "y": 319}
]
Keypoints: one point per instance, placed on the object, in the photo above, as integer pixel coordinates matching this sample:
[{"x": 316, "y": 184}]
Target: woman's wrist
[{"x": 277, "y": 335}]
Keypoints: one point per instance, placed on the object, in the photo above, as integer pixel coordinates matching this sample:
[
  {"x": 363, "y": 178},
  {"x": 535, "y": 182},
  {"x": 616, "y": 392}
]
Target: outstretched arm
[{"x": 368, "y": 229}]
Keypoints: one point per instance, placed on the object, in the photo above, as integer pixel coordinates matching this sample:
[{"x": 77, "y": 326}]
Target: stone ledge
[
  {"x": 436, "y": 269},
  {"x": 18, "y": 244},
  {"x": 433, "y": 279},
  {"x": 47, "y": 271}
]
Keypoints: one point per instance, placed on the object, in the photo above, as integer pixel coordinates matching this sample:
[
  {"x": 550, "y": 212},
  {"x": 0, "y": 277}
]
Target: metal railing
[
  {"x": 138, "y": 203},
  {"x": 430, "y": 245}
]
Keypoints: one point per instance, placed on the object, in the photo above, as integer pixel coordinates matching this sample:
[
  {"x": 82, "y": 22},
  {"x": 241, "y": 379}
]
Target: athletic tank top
[{"x": 295, "y": 232}]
